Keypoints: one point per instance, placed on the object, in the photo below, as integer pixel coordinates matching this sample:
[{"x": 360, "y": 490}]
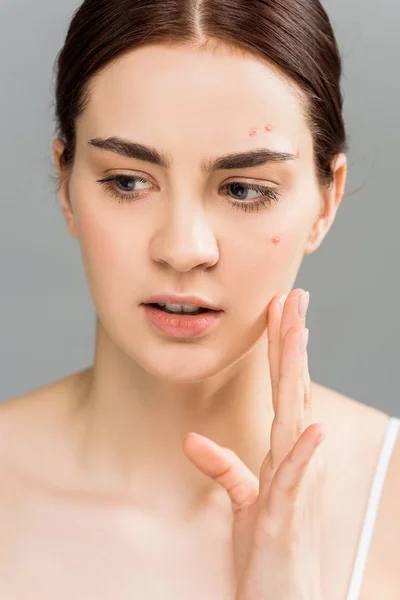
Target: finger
[
  {"x": 308, "y": 414},
  {"x": 275, "y": 310},
  {"x": 291, "y": 317},
  {"x": 288, "y": 423},
  {"x": 286, "y": 484},
  {"x": 225, "y": 467}
]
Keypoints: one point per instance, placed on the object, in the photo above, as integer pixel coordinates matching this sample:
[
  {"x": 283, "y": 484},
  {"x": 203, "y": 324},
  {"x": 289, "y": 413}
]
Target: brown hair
[{"x": 295, "y": 35}]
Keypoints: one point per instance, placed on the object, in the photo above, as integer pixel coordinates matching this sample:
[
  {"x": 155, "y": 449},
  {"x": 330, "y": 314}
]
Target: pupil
[
  {"x": 125, "y": 181},
  {"x": 236, "y": 185}
]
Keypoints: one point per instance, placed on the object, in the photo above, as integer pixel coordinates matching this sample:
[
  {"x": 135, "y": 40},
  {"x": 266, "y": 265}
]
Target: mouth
[
  {"x": 186, "y": 313},
  {"x": 185, "y": 304},
  {"x": 181, "y": 324}
]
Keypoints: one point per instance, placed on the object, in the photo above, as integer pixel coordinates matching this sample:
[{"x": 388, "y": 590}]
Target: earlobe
[{"x": 316, "y": 237}]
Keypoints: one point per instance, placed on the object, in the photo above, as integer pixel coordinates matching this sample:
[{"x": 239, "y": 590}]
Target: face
[{"x": 180, "y": 229}]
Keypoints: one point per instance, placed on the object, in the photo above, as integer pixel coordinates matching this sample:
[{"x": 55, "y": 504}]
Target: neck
[{"x": 132, "y": 424}]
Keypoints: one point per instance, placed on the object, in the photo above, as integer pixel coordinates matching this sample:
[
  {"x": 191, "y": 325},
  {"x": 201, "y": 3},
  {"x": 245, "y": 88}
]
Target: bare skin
[
  {"x": 101, "y": 545},
  {"x": 98, "y": 499}
]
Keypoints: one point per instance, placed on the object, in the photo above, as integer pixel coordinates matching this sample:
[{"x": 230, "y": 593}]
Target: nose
[{"x": 184, "y": 240}]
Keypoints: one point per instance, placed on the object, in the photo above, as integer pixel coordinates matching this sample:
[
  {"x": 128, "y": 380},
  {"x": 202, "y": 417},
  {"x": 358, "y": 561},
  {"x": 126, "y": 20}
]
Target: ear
[
  {"x": 58, "y": 149},
  {"x": 331, "y": 199}
]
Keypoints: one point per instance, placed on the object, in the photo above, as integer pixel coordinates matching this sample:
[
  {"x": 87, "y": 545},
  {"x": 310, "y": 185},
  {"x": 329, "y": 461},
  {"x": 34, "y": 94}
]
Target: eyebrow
[{"x": 239, "y": 160}]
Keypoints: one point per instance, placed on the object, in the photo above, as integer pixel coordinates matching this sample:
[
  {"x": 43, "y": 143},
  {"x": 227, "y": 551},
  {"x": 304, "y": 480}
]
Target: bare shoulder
[
  {"x": 32, "y": 423},
  {"x": 355, "y": 434},
  {"x": 358, "y": 425},
  {"x": 355, "y": 431}
]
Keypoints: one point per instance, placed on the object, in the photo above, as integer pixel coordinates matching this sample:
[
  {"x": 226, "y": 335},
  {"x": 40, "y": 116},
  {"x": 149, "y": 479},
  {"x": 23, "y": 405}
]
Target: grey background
[{"x": 47, "y": 319}]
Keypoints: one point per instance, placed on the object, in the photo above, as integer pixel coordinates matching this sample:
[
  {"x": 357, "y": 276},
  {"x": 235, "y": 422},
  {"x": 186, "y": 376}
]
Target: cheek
[
  {"x": 265, "y": 263},
  {"x": 288, "y": 242},
  {"x": 285, "y": 252},
  {"x": 106, "y": 246}
]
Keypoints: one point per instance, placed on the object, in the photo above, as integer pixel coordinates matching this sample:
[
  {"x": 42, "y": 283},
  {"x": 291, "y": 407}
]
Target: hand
[{"x": 276, "y": 518}]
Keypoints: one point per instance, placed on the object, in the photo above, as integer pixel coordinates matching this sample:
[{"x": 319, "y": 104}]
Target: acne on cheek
[{"x": 276, "y": 240}]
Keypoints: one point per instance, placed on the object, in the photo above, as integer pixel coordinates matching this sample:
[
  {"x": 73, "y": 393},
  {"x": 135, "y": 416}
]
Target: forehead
[{"x": 196, "y": 97}]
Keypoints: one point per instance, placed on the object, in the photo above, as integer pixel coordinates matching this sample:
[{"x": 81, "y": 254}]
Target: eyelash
[{"x": 268, "y": 195}]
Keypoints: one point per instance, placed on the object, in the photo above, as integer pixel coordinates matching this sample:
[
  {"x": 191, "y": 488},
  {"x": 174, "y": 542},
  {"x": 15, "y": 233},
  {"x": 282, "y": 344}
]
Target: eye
[
  {"x": 268, "y": 195},
  {"x": 122, "y": 195},
  {"x": 114, "y": 186}
]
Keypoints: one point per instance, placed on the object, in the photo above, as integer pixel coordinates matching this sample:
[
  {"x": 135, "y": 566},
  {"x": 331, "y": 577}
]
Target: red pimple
[
  {"x": 268, "y": 127},
  {"x": 275, "y": 240},
  {"x": 252, "y": 131},
  {"x": 298, "y": 153}
]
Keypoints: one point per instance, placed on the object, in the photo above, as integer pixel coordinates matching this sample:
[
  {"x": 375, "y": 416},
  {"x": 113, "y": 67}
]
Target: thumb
[{"x": 225, "y": 467}]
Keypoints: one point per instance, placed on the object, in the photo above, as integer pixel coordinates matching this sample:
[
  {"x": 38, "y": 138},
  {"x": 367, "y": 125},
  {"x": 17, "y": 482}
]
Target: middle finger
[
  {"x": 278, "y": 325},
  {"x": 294, "y": 315},
  {"x": 288, "y": 423}
]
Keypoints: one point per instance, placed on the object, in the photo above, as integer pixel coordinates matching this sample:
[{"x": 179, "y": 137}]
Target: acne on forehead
[
  {"x": 253, "y": 130},
  {"x": 276, "y": 240},
  {"x": 267, "y": 127}
]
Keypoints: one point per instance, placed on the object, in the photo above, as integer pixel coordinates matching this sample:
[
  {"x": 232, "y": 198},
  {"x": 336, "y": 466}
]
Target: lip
[
  {"x": 167, "y": 298},
  {"x": 181, "y": 326}
]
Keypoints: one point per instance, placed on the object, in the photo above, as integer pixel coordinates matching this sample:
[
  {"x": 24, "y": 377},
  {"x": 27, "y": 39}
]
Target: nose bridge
[{"x": 184, "y": 238}]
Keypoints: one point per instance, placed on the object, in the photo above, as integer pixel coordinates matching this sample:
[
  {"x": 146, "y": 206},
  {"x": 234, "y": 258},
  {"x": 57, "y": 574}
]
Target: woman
[{"x": 103, "y": 482}]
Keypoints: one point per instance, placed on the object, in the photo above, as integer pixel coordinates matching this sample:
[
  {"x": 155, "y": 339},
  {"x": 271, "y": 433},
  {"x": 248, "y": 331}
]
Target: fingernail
[
  {"x": 304, "y": 340},
  {"x": 304, "y": 301},
  {"x": 282, "y": 301}
]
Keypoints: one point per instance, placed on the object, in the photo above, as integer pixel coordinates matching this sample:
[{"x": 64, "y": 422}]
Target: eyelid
[
  {"x": 255, "y": 180},
  {"x": 251, "y": 181},
  {"x": 240, "y": 180}
]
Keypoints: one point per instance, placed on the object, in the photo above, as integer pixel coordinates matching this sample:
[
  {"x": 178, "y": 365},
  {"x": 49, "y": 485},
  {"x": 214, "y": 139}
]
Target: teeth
[{"x": 188, "y": 308}]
